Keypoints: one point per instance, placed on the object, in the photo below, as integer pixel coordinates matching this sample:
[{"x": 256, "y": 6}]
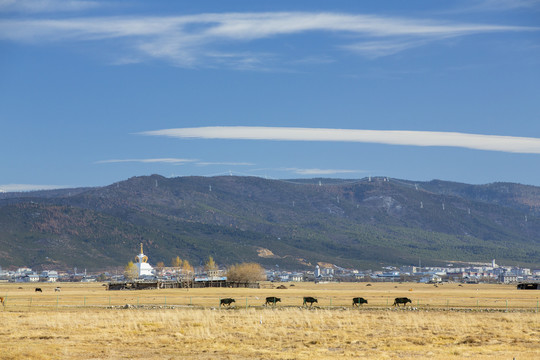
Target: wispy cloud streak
[
  {"x": 195, "y": 39},
  {"x": 173, "y": 161},
  {"x": 206, "y": 163},
  {"x": 498, "y": 5},
  {"x": 29, "y": 187},
  {"x": 511, "y": 144},
  {"x": 44, "y": 6}
]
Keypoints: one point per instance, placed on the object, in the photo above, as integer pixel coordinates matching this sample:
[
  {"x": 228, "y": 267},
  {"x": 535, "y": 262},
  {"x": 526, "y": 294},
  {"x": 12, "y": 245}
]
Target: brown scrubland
[{"x": 84, "y": 321}]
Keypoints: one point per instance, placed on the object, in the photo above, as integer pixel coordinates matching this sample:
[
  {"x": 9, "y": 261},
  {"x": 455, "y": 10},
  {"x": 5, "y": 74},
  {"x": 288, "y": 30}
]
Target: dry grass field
[{"x": 444, "y": 322}]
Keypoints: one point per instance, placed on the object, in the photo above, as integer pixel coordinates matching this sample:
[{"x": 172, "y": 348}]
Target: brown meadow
[{"x": 450, "y": 322}]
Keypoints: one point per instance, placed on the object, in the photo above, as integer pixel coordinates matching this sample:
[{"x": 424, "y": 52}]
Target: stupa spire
[{"x": 141, "y": 258}]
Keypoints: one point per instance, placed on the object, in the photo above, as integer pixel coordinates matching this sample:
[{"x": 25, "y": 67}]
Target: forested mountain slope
[{"x": 291, "y": 223}]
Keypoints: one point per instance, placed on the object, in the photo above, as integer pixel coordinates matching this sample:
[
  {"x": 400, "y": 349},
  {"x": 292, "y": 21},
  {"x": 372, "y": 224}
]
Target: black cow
[
  {"x": 39, "y": 290},
  {"x": 226, "y": 301},
  {"x": 310, "y": 300},
  {"x": 358, "y": 301},
  {"x": 402, "y": 300},
  {"x": 272, "y": 300}
]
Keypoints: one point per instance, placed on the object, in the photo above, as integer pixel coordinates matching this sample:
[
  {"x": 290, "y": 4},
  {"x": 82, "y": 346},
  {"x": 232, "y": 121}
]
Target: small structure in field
[{"x": 529, "y": 286}]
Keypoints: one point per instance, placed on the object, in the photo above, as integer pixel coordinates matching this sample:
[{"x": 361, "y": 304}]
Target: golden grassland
[{"x": 445, "y": 322}]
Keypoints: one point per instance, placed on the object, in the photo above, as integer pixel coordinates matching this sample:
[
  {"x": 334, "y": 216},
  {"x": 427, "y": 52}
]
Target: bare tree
[
  {"x": 246, "y": 272},
  {"x": 176, "y": 262},
  {"x": 159, "y": 267},
  {"x": 210, "y": 264},
  {"x": 130, "y": 271},
  {"x": 186, "y": 267}
]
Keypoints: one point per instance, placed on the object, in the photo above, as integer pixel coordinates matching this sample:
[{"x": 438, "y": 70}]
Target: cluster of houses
[
  {"x": 28, "y": 275},
  {"x": 466, "y": 274}
]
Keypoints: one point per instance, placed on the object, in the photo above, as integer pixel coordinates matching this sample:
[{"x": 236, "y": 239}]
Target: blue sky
[{"x": 94, "y": 92}]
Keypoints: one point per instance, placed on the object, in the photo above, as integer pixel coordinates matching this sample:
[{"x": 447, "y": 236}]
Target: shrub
[{"x": 246, "y": 272}]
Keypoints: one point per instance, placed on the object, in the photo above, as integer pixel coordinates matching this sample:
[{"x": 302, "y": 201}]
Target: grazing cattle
[
  {"x": 272, "y": 300},
  {"x": 310, "y": 300},
  {"x": 358, "y": 301},
  {"x": 402, "y": 300},
  {"x": 39, "y": 290},
  {"x": 226, "y": 301},
  {"x": 2, "y": 301},
  {"x": 57, "y": 289}
]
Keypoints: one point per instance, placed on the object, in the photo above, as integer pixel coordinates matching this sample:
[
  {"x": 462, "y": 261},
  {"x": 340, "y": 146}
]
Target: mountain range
[{"x": 293, "y": 224}]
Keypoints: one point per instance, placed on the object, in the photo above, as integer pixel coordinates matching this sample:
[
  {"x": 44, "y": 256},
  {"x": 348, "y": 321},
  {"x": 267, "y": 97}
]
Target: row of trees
[
  {"x": 186, "y": 266},
  {"x": 177, "y": 263}
]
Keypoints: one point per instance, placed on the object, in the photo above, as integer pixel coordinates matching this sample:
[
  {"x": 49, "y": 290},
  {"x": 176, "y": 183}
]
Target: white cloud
[
  {"x": 173, "y": 161},
  {"x": 375, "y": 49},
  {"x": 206, "y": 39},
  {"x": 40, "y": 6},
  {"x": 225, "y": 163},
  {"x": 510, "y": 144},
  {"x": 29, "y": 187},
  {"x": 500, "y": 5}
]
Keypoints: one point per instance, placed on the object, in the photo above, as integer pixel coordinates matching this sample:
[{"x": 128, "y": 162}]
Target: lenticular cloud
[{"x": 509, "y": 144}]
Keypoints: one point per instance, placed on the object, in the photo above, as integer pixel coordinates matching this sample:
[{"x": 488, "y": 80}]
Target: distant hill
[{"x": 290, "y": 223}]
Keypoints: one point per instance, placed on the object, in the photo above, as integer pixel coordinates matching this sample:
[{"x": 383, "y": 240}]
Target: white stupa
[{"x": 143, "y": 267}]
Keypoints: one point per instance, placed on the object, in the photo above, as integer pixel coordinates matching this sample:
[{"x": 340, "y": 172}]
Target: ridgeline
[{"x": 292, "y": 223}]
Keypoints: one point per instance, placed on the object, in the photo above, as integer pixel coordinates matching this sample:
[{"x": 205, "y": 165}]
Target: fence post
[
  {"x": 386, "y": 301},
  {"x": 536, "y": 305},
  {"x": 446, "y": 303},
  {"x": 31, "y": 302},
  {"x": 507, "y": 305}
]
